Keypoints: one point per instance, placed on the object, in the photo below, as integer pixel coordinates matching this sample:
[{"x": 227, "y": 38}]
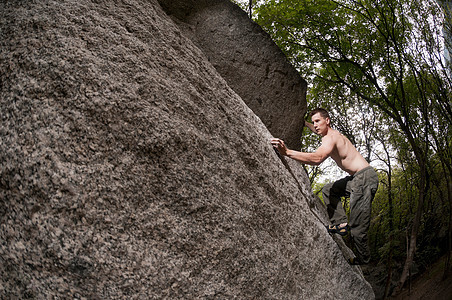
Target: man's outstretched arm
[{"x": 314, "y": 158}]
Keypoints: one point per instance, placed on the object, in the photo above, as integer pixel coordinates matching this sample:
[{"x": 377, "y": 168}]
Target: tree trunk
[
  {"x": 391, "y": 236},
  {"x": 449, "y": 240},
  {"x": 389, "y": 268},
  {"x": 414, "y": 229},
  {"x": 391, "y": 223}
]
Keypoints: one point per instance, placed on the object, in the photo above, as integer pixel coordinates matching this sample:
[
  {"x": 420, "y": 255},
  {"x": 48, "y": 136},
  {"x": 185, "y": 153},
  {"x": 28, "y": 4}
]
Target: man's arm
[
  {"x": 314, "y": 158},
  {"x": 310, "y": 126}
]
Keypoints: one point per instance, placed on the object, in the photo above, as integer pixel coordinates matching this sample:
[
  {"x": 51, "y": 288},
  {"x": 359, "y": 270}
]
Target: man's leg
[
  {"x": 363, "y": 189},
  {"x": 332, "y": 193}
]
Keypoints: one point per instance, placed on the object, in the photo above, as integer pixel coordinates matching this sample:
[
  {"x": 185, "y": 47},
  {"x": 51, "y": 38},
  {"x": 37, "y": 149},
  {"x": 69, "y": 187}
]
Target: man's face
[{"x": 320, "y": 124}]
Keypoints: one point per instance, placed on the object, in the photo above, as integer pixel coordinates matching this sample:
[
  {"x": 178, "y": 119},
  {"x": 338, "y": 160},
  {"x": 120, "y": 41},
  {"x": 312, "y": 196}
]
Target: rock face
[
  {"x": 130, "y": 169},
  {"x": 251, "y": 63}
]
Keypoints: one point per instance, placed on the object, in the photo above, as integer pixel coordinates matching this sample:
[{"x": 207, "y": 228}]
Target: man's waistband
[{"x": 363, "y": 170}]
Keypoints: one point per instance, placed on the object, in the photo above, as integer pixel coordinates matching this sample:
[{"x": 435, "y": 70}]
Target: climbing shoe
[{"x": 339, "y": 230}]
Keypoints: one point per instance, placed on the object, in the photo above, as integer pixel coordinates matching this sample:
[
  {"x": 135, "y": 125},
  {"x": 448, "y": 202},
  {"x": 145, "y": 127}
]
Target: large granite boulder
[
  {"x": 130, "y": 169},
  {"x": 250, "y": 62}
]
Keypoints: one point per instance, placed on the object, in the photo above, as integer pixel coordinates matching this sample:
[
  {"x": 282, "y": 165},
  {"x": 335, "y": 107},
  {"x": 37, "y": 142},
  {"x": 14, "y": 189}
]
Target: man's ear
[{"x": 327, "y": 121}]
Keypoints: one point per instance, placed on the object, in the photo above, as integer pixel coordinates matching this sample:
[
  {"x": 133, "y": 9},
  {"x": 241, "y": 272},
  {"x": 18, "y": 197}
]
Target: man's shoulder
[
  {"x": 332, "y": 135},
  {"x": 330, "y": 139}
]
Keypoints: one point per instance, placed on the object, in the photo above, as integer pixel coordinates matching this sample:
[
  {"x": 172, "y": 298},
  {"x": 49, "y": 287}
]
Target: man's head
[
  {"x": 323, "y": 112},
  {"x": 321, "y": 120}
]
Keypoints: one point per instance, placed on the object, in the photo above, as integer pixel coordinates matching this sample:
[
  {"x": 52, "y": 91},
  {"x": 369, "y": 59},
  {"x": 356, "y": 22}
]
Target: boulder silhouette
[{"x": 131, "y": 167}]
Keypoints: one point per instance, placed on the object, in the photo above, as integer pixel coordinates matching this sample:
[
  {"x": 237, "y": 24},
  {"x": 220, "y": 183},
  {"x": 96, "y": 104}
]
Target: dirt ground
[{"x": 430, "y": 285}]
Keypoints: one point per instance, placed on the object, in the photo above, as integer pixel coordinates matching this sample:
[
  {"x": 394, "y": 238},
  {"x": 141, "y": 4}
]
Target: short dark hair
[{"x": 323, "y": 112}]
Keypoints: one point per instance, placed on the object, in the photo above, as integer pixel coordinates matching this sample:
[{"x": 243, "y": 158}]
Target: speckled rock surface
[
  {"x": 129, "y": 169},
  {"x": 250, "y": 62}
]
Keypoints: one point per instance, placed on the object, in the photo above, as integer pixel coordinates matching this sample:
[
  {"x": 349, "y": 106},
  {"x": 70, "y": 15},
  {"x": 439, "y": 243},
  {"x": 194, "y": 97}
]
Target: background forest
[{"x": 382, "y": 68}]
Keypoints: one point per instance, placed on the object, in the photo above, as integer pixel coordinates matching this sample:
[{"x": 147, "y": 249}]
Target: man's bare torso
[{"x": 344, "y": 153}]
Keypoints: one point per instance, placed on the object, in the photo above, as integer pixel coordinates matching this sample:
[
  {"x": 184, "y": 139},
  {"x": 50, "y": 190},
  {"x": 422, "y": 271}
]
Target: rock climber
[{"x": 360, "y": 186}]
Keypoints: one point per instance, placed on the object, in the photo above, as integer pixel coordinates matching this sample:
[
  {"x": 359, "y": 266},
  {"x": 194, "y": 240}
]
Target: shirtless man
[{"x": 360, "y": 186}]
